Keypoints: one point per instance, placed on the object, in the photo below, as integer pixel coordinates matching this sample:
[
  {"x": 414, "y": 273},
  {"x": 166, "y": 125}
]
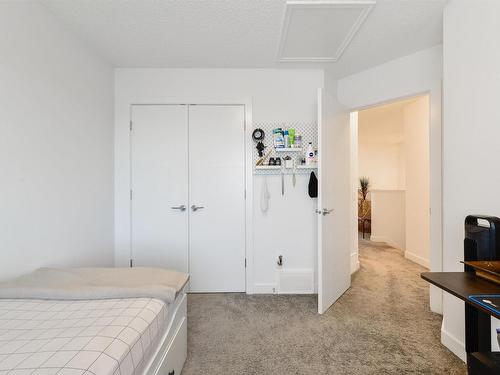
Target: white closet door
[
  {"x": 217, "y": 183},
  {"x": 159, "y": 167}
]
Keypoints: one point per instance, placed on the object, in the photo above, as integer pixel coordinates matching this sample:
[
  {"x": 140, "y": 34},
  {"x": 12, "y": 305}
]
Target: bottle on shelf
[
  {"x": 279, "y": 141},
  {"x": 310, "y": 157},
  {"x": 291, "y": 137},
  {"x": 298, "y": 141}
]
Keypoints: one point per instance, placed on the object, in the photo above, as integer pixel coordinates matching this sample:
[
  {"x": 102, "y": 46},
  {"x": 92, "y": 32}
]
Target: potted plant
[
  {"x": 364, "y": 183},
  {"x": 364, "y": 207}
]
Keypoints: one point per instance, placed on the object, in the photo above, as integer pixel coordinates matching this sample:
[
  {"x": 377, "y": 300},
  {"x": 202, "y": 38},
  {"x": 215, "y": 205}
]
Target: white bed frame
[{"x": 171, "y": 354}]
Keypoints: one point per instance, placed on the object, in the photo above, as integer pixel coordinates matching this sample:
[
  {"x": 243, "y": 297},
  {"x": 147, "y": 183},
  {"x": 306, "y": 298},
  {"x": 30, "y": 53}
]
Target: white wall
[
  {"x": 416, "y": 148},
  {"x": 382, "y": 164},
  {"x": 380, "y": 146},
  {"x": 56, "y": 146},
  {"x": 471, "y": 135},
  {"x": 289, "y": 227},
  {"x": 388, "y": 217},
  {"x": 408, "y": 76}
]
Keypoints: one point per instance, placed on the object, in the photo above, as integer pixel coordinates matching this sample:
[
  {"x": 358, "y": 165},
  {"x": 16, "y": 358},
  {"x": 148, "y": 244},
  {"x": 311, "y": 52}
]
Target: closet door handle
[
  {"x": 180, "y": 208},
  {"x": 196, "y": 208},
  {"x": 326, "y": 211}
]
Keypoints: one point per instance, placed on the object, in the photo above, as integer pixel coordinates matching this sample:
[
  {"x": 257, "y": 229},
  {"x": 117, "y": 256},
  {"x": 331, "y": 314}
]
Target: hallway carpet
[{"x": 381, "y": 325}]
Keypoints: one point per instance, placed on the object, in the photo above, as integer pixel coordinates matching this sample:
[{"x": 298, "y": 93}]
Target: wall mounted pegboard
[{"x": 309, "y": 132}]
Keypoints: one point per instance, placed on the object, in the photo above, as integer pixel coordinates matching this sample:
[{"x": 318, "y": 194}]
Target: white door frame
[
  {"x": 436, "y": 173},
  {"x": 247, "y": 103}
]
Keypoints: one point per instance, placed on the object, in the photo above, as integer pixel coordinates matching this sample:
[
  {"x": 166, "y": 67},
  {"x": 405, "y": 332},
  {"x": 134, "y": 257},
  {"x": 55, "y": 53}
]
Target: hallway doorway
[{"x": 392, "y": 169}]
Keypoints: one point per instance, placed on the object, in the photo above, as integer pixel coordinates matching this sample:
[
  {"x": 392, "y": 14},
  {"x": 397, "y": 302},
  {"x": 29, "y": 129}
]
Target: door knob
[
  {"x": 196, "y": 208},
  {"x": 326, "y": 211},
  {"x": 180, "y": 208}
]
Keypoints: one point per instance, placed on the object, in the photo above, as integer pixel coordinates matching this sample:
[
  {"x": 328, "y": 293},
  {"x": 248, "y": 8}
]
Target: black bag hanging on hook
[{"x": 313, "y": 186}]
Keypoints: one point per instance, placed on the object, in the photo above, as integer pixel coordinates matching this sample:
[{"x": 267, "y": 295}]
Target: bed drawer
[{"x": 176, "y": 352}]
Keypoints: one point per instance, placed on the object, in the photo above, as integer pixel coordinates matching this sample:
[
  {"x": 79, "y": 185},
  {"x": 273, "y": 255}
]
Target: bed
[{"x": 126, "y": 323}]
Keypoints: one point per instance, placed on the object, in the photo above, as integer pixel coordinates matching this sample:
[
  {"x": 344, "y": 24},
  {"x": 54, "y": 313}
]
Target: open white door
[{"x": 334, "y": 201}]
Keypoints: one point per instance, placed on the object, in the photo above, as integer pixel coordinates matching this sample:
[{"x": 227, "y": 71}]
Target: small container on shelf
[{"x": 297, "y": 141}]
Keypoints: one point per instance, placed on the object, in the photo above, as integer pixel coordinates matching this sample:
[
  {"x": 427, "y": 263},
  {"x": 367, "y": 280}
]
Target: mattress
[{"x": 91, "y": 337}]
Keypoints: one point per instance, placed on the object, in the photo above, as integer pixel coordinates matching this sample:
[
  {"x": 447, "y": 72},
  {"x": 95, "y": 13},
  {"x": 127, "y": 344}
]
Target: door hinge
[
  {"x": 245, "y": 193},
  {"x": 245, "y": 262},
  {"x": 131, "y": 263},
  {"x": 130, "y": 194},
  {"x": 130, "y": 125}
]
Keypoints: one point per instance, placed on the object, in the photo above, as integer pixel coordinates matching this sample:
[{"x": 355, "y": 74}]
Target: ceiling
[
  {"x": 249, "y": 33},
  {"x": 320, "y": 32}
]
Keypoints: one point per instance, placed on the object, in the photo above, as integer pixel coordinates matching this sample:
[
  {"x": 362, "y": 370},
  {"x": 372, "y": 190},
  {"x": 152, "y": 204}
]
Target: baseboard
[
  {"x": 453, "y": 344},
  {"x": 417, "y": 259},
  {"x": 436, "y": 299},
  {"x": 377, "y": 238},
  {"x": 387, "y": 240},
  {"x": 295, "y": 281},
  {"x": 354, "y": 263},
  {"x": 288, "y": 281},
  {"x": 264, "y": 288}
]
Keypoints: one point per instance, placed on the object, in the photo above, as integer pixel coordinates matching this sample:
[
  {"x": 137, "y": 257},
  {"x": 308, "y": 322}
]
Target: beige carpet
[{"x": 382, "y": 325}]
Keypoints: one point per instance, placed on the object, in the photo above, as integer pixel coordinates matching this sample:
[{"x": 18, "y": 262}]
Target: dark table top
[{"x": 463, "y": 285}]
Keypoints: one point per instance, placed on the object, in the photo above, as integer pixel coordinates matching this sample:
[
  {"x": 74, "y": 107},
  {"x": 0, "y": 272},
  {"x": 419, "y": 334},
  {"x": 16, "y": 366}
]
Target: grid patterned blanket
[{"x": 90, "y": 337}]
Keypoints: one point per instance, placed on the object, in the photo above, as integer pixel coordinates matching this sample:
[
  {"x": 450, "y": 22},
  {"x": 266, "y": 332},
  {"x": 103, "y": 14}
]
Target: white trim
[
  {"x": 436, "y": 191},
  {"x": 385, "y": 239},
  {"x": 365, "y": 5},
  {"x": 249, "y": 254},
  {"x": 264, "y": 288},
  {"x": 354, "y": 263},
  {"x": 417, "y": 259},
  {"x": 353, "y": 125},
  {"x": 456, "y": 346}
]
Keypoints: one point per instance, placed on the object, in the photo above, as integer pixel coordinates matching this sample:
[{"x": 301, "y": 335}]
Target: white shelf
[
  {"x": 307, "y": 167},
  {"x": 275, "y": 167},
  {"x": 294, "y": 149},
  {"x": 267, "y": 167}
]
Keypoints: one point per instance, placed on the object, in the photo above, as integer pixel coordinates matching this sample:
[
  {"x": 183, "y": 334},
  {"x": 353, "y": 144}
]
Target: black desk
[
  {"x": 480, "y": 359},
  {"x": 463, "y": 285}
]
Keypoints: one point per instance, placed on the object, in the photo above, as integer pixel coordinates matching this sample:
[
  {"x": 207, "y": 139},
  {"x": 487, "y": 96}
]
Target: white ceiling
[
  {"x": 238, "y": 33},
  {"x": 315, "y": 32}
]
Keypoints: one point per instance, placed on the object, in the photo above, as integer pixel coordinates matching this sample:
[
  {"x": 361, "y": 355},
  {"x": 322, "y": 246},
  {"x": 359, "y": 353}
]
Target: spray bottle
[{"x": 309, "y": 154}]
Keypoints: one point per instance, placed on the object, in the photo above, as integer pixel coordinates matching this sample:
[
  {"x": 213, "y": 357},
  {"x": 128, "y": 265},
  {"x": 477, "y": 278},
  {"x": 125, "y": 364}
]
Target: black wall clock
[{"x": 258, "y": 135}]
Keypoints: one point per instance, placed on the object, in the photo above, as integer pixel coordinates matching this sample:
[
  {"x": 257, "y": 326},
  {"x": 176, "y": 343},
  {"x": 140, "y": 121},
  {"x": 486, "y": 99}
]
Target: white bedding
[{"x": 91, "y": 337}]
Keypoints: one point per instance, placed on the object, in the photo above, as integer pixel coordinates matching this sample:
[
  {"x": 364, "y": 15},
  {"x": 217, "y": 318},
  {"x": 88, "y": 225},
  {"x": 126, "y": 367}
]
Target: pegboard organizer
[{"x": 309, "y": 132}]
